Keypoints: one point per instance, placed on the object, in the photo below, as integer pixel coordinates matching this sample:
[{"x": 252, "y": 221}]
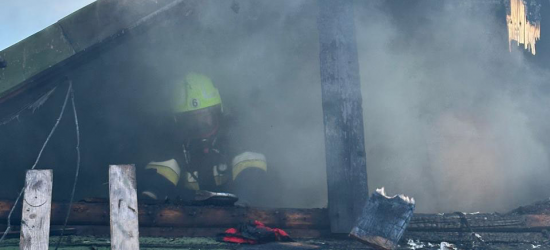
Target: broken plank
[
  {"x": 123, "y": 207},
  {"x": 35, "y": 223},
  {"x": 384, "y": 220}
]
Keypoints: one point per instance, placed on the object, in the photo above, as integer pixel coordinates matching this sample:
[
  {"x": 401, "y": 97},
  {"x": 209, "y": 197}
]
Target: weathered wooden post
[
  {"x": 343, "y": 114},
  {"x": 123, "y": 206},
  {"x": 37, "y": 203}
]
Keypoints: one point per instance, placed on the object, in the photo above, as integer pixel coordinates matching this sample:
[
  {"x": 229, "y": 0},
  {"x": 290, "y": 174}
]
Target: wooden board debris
[
  {"x": 35, "y": 224},
  {"x": 123, "y": 207},
  {"x": 384, "y": 220}
]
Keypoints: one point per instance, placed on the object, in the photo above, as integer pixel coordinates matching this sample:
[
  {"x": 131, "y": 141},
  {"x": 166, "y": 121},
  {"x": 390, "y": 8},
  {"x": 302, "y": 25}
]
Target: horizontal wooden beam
[
  {"x": 175, "y": 232},
  {"x": 185, "y": 216},
  {"x": 482, "y": 222},
  {"x": 423, "y": 236},
  {"x": 170, "y": 220}
]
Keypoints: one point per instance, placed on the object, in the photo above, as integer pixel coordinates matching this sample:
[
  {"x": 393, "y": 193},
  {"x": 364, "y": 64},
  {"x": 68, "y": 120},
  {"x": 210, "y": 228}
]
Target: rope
[
  {"x": 76, "y": 172},
  {"x": 32, "y": 106},
  {"x": 8, "y": 228}
]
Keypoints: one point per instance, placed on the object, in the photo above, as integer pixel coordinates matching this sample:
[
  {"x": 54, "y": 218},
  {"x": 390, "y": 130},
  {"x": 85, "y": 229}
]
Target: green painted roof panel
[
  {"x": 101, "y": 19},
  {"x": 71, "y": 35},
  {"x": 33, "y": 55}
]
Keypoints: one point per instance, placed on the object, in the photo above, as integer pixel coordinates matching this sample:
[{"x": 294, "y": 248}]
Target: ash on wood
[
  {"x": 37, "y": 202},
  {"x": 123, "y": 207},
  {"x": 384, "y": 220}
]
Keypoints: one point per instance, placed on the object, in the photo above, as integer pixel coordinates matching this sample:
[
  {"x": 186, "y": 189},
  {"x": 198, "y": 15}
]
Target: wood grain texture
[
  {"x": 483, "y": 222},
  {"x": 170, "y": 215},
  {"x": 123, "y": 207},
  {"x": 342, "y": 114},
  {"x": 488, "y": 237},
  {"x": 37, "y": 201}
]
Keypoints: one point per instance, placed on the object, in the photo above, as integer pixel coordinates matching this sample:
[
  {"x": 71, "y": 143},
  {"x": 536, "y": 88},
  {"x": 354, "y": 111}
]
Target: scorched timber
[
  {"x": 482, "y": 222},
  {"x": 185, "y": 216},
  {"x": 534, "y": 218},
  {"x": 488, "y": 237}
]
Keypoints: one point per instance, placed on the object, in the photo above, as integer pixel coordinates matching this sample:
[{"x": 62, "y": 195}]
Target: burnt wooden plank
[
  {"x": 169, "y": 215},
  {"x": 35, "y": 224},
  {"x": 342, "y": 114},
  {"x": 488, "y": 237},
  {"x": 479, "y": 222},
  {"x": 123, "y": 207},
  {"x": 169, "y": 232},
  {"x": 384, "y": 220}
]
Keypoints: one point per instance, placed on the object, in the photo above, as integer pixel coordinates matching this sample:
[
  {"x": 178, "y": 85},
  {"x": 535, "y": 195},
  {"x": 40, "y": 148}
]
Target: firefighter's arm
[
  {"x": 248, "y": 160},
  {"x": 162, "y": 176}
]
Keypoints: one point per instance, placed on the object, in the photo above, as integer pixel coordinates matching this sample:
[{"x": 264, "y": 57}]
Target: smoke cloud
[{"x": 452, "y": 118}]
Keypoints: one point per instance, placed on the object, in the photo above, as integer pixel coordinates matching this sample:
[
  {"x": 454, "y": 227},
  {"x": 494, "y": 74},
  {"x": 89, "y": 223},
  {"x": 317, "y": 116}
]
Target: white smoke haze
[
  {"x": 264, "y": 59},
  {"x": 451, "y": 116}
]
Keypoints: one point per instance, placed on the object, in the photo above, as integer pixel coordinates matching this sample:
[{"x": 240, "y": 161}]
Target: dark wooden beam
[
  {"x": 343, "y": 114},
  {"x": 171, "y": 220},
  {"x": 163, "y": 215},
  {"x": 482, "y": 222}
]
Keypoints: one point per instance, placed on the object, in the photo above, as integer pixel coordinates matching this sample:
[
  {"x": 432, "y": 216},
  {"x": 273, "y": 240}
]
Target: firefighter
[{"x": 200, "y": 160}]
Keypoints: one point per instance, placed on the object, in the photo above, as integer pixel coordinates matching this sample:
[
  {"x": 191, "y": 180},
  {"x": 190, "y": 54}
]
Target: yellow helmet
[{"x": 195, "y": 92}]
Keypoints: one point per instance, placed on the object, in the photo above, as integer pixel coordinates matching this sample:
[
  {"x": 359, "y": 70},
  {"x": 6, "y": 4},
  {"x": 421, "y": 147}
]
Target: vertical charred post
[{"x": 342, "y": 114}]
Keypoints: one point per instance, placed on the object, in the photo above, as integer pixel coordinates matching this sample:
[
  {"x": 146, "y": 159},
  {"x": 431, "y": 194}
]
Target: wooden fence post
[
  {"x": 123, "y": 206},
  {"x": 342, "y": 114},
  {"x": 37, "y": 203}
]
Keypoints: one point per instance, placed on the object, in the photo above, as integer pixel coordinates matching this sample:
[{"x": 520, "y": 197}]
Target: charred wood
[
  {"x": 529, "y": 224},
  {"x": 482, "y": 222},
  {"x": 489, "y": 237},
  {"x": 185, "y": 216}
]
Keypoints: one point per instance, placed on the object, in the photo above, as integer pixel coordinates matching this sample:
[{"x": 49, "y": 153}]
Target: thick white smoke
[{"x": 451, "y": 116}]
